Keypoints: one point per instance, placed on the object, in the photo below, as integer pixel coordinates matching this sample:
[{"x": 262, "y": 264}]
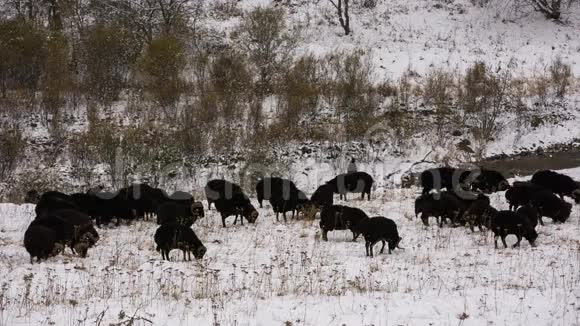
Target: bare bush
[{"x": 561, "y": 77}]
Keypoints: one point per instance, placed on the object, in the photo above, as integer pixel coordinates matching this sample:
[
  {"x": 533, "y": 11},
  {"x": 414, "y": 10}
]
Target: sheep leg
[
  {"x": 236, "y": 219},
  {"x": 355, "y": 236},
  {"x": 503, "y": 240},
  {"x": 223, "y": 221},
  {"x": 371, "y": 248},
  {"x": 324, "y": 235},
  {"x": 495, "y": 240},
  {"x": 541, "y": 221},
  {"x": 519, "y": 240},
  {"x": 383, "y": 247},
  {"x": 367, "y": 245},
  {"x": 277, "y": 220},
  {"x": 284, "y": 215}
]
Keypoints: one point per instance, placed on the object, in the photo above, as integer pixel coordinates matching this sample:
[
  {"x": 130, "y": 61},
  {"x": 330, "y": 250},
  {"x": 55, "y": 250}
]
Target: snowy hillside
[
  {"x": 422, "y": 34},
  {"x": 273, "y": 273}
]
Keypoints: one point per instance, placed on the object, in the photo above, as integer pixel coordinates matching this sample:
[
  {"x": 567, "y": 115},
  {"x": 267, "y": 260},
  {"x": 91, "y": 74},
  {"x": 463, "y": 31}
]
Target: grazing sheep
[
  {"x": 382, "y": 229},
  {"x": 558, "y": 183},
  {"x": 68, "y": 228},
  {"x": 356, "y": 182},
  {"x": 174, "y": 236},
  {"x": 176, "y": 212},
  {"x": 54, "y": 201},
  {"x": 480, "y": 213},
  {"x": 444, "y": 177},
  {"x": 221, "y": 189},
  {"x": 444, "y": 205},
  {"x": 520, "y": 194},
  {"x": 322, "y": 197},
  {"x": 294, "y": 202},
  {"x": 489, "y": 181},
  {"x": 509, "y": 222},
  {"x": 274, "y": 187},
  {"x": 338, "y": 217},
  {"x": 549, "y": 205},
  {"x": 531, "y": 213},
  {"x": 141, "y": 198},
  {"x": 237, "y": 206},
  {"x": 41, "y": 242}
]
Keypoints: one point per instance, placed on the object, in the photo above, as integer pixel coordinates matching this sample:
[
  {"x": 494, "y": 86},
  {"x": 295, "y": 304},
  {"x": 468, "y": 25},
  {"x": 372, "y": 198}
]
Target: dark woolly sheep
[
  {"x": 294, "y": 202},
  {"x": 356, "y": 182},
  {"x": 109, "y": 205},
  {"x": 274, "y": 187},
  {"x": 69, "y": 227},
  {"x": 531, "y": 213},
  {"x": 221, "y": 189},
  {"x": 488, "y": 181},
  {"x": 174, "y": 236},
  {"x": 41, "y": 242},
  {"x": 239, "y": 205},
  {"x": 549, "y": 205},
  {"x": 443, "y": 206},
  {"x": 50, "y": 203},
  {"x": 444, "y": 177},
  {"x": 175, "y": 212},
  {"x": 509, "y": 222},
  {"x": 480, "y": 213},
  {"x": 520, "y": 194},
  {"x": 142, "y": 199},
  {"x": 382, "y": 229},
  {"x": 321, "y": 199},
  {"x": 338, "y": 217},
  {"x": 558, "y": 183}
]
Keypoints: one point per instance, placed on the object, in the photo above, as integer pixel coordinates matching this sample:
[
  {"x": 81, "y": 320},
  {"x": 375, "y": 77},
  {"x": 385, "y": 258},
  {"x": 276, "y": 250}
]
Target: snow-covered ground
[{"x": 275, "y": 273}]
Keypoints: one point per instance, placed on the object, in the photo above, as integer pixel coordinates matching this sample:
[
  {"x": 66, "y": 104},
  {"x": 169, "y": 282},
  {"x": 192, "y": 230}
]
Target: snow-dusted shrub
[
  {"x": 438, "y": 88},
  {"x": 560, "y": 77}
]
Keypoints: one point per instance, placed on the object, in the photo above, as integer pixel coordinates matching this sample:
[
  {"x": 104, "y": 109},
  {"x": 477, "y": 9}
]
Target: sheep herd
[{"x": 69, "y": 220}]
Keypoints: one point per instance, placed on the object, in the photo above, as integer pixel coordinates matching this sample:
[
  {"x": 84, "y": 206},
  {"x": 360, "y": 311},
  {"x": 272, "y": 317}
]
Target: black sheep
[
  {"x": 174, "y": 236},
  {"x": 322, "y": 197},
  {"x": 70, "y": 227},
  {"x": 549, "y": 205},
  {"x": 141, "y": 198},
  {"x": 274, "y": 187},
  {"x": 488, "y": 181},
  {"x": 176, "y": 212},
  {"x": 444, "y": 205},
  {"x": 444, "y": 177},
  {"x": 338, "y": 217},
  {"x": 558, "y": 183},
  {"x": 480, "y": 213},
  {"x": 382, "y": 229},
  {"x": 49, "y": 203},
  {"x": 531, "y": 213},
  {"x": 239, "y": 205},
  {"x": 520, "y": 194},
  {"x": 221, "y": 189},
  {"x": 41, "y": 242},
  {"x": 294, "y": 202},
  {"x": 109, "y": 205},
  {"x": 509, "y": 222},
  {"x": 356, "y": 182}
]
